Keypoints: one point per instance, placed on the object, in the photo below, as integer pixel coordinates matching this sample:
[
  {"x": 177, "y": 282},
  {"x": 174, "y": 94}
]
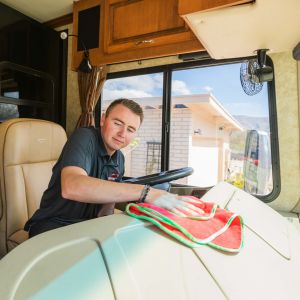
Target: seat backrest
[{"x": 28, "y": 150}]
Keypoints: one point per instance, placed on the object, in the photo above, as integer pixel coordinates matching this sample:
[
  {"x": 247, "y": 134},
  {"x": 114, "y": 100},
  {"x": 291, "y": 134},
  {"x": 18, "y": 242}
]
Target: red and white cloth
[{"x": 216, "y": 227}]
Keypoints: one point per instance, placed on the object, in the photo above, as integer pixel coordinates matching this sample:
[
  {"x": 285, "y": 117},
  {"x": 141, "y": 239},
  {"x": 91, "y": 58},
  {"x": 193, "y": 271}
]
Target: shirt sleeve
[{"x": 79, "y": 150}]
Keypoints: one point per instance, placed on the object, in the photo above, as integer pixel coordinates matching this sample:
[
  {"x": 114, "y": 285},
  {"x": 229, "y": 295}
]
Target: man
[{"x": 85, "y": 182}]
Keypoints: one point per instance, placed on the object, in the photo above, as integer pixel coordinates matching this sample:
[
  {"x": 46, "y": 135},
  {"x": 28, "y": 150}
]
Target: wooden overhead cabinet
[
  {"x": 138, "y": 29},
  {"x": 142, "y": 24}
]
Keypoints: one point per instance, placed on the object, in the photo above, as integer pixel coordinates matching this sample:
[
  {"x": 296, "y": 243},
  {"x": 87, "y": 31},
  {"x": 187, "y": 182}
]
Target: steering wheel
[{"x": 161, "y": 177}]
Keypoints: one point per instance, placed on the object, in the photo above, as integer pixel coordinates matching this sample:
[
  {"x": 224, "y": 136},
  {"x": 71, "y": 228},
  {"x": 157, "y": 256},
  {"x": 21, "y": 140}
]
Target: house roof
[{"x": 195, "y": 102}]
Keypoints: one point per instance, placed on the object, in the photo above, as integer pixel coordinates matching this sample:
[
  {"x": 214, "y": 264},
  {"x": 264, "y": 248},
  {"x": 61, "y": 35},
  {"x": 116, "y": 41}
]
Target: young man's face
[{"x": 119, "y": 128}]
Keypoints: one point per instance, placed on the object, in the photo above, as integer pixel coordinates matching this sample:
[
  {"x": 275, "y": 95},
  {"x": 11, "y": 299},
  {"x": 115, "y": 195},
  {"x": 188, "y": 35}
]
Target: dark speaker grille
[{"x": 88, "y": 28}]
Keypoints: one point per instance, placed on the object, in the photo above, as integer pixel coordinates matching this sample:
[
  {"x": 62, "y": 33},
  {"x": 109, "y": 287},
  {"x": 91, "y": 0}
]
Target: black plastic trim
[
  {"x": 273, "y": 140},
  {"x": 166, "y": 121}
]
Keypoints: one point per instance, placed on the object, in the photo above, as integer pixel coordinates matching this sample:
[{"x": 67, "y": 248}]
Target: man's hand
[{"x": 179, "y": 205}]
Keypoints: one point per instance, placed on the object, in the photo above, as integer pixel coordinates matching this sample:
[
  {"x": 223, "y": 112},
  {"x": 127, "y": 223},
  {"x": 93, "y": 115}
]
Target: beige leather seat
[{"x": 28, "y": 150}]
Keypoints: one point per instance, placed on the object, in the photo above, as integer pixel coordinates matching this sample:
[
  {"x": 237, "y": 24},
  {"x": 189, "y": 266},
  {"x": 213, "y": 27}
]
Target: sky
[{"x": 221, "y": 81}]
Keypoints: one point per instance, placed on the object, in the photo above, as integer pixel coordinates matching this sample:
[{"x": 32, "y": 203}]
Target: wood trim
[
  {"x": 187, "y": 7},
  {"x": 61, "y": 21}
]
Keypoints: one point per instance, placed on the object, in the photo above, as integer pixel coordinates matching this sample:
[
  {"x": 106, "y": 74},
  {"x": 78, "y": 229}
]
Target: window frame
[{"x": 167, "y": 71}]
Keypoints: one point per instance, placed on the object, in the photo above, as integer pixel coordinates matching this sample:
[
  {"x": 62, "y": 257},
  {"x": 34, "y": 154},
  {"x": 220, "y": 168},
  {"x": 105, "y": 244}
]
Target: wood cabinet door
[{"x": 138, "y": 24}]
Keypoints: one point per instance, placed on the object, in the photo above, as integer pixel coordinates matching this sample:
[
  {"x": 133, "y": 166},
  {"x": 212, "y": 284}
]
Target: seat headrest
[{"x": 30, "y": 141}]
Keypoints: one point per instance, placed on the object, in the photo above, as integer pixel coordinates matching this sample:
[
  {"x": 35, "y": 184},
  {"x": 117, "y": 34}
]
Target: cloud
[
  {"x": 134, "y": 86},
  {"x": 208, "y": 89},
  {"x": 179, "y": 88},
  {"x": 141, "y": 86},
  {"x": 125, "y": 93}
]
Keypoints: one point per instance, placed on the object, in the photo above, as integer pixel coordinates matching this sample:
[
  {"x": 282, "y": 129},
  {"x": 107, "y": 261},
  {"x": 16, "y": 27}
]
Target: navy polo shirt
[{"x": 84, "y": 149}]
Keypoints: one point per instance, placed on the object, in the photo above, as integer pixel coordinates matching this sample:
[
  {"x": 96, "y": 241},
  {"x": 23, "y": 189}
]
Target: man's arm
[{"x": 77, "y": 185}]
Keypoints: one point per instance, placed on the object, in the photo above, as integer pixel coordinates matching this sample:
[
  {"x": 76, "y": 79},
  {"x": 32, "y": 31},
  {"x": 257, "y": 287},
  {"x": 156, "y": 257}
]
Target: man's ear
[{"x": 102, "y": 119}]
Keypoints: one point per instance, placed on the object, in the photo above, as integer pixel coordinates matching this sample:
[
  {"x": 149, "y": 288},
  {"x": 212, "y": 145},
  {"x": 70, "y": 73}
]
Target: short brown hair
[{"x": 130, "y": 104}]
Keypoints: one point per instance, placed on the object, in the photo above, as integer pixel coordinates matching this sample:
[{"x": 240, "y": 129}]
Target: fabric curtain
[{"x": 90, "y": 86}]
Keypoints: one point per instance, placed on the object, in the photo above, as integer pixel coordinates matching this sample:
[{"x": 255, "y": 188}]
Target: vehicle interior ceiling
[{"x": 263, "y": 24}]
